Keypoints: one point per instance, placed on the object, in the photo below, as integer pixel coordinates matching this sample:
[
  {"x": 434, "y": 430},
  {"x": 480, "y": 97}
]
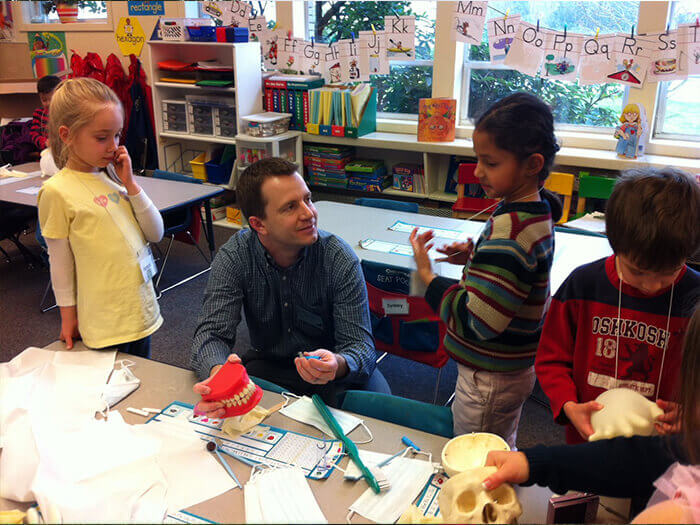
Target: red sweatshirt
[
  {"x": 576, "y": 355},
  {"x": 38, "y": 128}
]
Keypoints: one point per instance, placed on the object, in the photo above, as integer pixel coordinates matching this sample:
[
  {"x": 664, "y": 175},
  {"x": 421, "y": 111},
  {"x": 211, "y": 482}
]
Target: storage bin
[
  {"x": 220, "y": 166},
  {"x": 267, "y": 124},
  {"x": 174, "y": 116},
  {"x": 231, "y": 34},
  {"x": 201, "y": 119},
  {"x": 202, "y": 33},
  {"x": 198, "y": 167}
]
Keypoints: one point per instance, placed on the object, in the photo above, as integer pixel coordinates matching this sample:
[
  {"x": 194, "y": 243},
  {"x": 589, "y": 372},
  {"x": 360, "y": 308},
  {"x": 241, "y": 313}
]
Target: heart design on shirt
[
  {"x": 101, "y": 200},
  {"x": 114, "y": 197}
]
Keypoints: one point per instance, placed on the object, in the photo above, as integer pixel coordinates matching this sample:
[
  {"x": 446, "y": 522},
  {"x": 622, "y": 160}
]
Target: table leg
[{"x": 210, "y": 228}]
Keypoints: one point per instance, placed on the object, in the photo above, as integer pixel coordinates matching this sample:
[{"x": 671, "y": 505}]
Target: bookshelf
[{"x": 176, "y": 149}]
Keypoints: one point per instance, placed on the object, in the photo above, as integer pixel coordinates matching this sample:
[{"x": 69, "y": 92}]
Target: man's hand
[
  {"x": 513, "y": 467},
  {"x": 69, "y": 325},
  {"x": 670, "y": 421},
  {"x": 326, "y": 368},
  {"x": 580, "y": 416},
  {"x": 212, "y": 409}
]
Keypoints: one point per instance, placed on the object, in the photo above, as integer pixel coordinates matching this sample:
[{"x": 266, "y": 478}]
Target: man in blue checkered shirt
[{"x": 302, "y": 291}]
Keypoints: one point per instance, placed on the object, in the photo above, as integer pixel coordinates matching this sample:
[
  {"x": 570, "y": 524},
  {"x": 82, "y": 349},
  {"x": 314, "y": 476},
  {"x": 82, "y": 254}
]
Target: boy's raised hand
[
  {"x": 670, "y": 421},
  {"x": 421, "y": 246},
  {"x": 580, "y": 416},
  {"x": 457, "y": 252}
]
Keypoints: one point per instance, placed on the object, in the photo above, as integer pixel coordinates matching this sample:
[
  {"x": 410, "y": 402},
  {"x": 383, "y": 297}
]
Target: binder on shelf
[{"x": 342, "y": 112}]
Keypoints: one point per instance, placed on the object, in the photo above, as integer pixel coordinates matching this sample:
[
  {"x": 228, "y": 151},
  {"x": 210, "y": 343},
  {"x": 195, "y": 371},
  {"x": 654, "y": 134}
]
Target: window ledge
[
  {"x": 107, "y": 25},
  {"x": 567, "y": 156}
]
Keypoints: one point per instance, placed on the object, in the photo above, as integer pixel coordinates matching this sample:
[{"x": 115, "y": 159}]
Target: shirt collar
[{"x": 262, "y": 253}]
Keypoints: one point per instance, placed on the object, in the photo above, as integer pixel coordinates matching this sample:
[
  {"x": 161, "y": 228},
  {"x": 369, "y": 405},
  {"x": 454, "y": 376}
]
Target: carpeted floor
[{"x": 22, "y": 325}]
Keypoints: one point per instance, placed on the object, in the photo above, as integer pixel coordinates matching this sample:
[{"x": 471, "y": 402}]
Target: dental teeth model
[{"x": 232, "y": 387}]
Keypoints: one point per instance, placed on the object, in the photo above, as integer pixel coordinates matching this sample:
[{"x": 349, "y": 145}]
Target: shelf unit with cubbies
[{"x": 212, "y": 116}]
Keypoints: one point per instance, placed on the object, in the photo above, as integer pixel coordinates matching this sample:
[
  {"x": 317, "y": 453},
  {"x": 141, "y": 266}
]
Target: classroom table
[
  {"x": 355, "y": 223},
  {"x": 166, "y": 195},
  {"x": 162, "y": 384}
]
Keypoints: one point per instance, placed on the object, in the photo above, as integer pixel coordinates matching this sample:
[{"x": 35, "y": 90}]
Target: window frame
[{"x": 106, "y": 24}]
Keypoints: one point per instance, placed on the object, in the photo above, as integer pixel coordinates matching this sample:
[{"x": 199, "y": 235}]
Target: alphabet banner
[
  {"x": 401, "y": 37},
  {"x": 349, "y": 54},
  {"x": 314, "y": 58},
  {"x": 331, "y": 72},
  {"x": 562, "y": 55},
  {"x": 691, "y": 39},
  {"x": 468, "y": 22},
  {"x": 669, "y": 57},
  {"x": 373, "y": 57},
  {"x": 501, "y": 33},
  {"x": 631, "y": 59},
  {"x": 274, "y": 39},
  {"x": 527, "y": 51},
  {"x": 595, "y": 57},
  {"x": 257, "y": 29},
  {"x": 290, "y": 53}
]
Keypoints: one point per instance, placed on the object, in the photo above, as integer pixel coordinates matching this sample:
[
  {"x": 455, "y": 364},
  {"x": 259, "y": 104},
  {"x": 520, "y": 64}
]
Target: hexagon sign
[{"x": 130, "y": 36}]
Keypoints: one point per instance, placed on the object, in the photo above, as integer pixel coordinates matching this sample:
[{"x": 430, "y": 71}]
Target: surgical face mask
[
  {"x": 305, "y": 411},
  {"x": 121, "y": 383},
  {"x": 407, "y": 477},
  {"x": 281, "y": 495}
]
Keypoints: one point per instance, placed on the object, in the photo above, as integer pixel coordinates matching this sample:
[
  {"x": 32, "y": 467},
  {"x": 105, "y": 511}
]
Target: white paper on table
[
  {"x": 185, "y": 462},
  {"x": 527, "y": 51},
  {"x": 468, "y": 22},
  {"x": 593, "y": 222},
  {"x": 31, "y": 190},
  {"x": 501, "y": 33},
  {"x": 369, "y": 458},
  {"x": 443, "y": 233}
]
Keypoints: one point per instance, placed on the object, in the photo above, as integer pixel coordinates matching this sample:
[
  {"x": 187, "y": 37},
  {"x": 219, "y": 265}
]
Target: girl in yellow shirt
[{"x": 97, "y": 229}]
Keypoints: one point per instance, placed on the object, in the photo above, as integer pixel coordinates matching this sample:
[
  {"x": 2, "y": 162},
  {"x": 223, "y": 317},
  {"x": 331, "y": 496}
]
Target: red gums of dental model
[{"x": 232, "y": 387}]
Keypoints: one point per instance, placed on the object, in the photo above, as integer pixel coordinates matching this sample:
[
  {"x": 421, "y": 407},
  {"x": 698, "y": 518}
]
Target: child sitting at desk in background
[
  {"x": 626, "y": 467},
  {"x": 38, "y": 130},
  {"x": 638, "y": 300},
  {"x": 95, "y": 231},
  {"x": 494, "y": 314}
]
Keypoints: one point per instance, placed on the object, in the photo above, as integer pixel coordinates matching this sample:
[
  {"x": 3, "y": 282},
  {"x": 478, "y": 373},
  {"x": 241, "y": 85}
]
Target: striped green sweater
[{"x": 494, "y": 314}]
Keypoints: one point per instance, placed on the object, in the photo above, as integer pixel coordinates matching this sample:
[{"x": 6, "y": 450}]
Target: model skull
[
  {"x": 463, "y": 499},
  {"x": 414, "y": 515},
  {"x": 624, "y": 413}
]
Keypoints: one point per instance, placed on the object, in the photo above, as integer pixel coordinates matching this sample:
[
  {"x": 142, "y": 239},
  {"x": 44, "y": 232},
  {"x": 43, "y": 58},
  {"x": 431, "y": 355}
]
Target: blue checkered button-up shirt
[{"x": 318, "y": 302}]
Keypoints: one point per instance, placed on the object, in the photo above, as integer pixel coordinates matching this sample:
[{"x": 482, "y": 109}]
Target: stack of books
[
  {"x": 409, "y": 177},
  {"x": 367, "y": 175},
  {"x": 290, "y": 94},
  {"x": 325, "y": 165}
]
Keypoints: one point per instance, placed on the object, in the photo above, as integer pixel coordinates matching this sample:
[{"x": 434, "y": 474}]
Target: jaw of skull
[{"x": 463, "y": 499}]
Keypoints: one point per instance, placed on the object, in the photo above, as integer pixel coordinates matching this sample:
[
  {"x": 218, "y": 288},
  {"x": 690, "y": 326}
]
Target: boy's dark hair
[
  {"x": 47, "y": 84},
  {"x": 653, "y": 217},
  {"x": 249, "y": 187},
  {"x": 523, "y": 125}
]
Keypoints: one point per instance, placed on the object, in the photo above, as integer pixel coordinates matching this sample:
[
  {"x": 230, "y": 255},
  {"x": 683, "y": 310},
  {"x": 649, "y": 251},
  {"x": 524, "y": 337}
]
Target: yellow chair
[{"x": 563, "y": 184}]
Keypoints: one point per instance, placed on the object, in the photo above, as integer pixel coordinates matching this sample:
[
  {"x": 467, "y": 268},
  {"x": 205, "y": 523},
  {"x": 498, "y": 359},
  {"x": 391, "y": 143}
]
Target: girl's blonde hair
[
  {"x": 631, "y": 108},
  {"x": 74, "y": 104}
]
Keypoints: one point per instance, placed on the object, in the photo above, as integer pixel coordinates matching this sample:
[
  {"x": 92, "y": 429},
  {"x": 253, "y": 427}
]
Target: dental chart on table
[{"x": 266, "y": 444}]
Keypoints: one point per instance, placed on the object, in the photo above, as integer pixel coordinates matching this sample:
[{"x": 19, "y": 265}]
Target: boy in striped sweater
[
  {"x": 620, "y": 321},
  {"x": 494, "y": 314},
  {"x": 38, "y": 129}
]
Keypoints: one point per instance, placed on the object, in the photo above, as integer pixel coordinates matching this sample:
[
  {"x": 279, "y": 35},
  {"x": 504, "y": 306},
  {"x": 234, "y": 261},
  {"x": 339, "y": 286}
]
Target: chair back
[
  {"x": 593, "y": 187},
  {"x": 388, "y": 204},
  {"x": 434, "y": 419},
  {"x": 562, "y": 184},
  {"x": 170, "y": 175},
  {"x": 177, "y": 222}
]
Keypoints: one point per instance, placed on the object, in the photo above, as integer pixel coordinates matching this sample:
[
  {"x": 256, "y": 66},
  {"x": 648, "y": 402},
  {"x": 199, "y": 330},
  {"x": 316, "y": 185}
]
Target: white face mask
[
  {"x": 407, "y": 477},
  {"x": 121, "y": 383},
  {"x": 281, "y": 495},
  {"x": 304, "y": 411}
]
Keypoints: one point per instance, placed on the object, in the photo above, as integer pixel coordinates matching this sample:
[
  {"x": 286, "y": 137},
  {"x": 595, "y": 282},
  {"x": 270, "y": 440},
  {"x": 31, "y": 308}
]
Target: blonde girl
[{"x": 97, "y": 230}]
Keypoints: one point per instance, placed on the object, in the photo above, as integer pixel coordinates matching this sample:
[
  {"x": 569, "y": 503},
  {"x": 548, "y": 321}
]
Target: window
[
  {"x": 398, "y": 93},
  {"x": 45, "y": 12},
  {"x": 264, "y": 8},
  {"x": 678, "y": 106},
  {"x": 593, "y": 106}
]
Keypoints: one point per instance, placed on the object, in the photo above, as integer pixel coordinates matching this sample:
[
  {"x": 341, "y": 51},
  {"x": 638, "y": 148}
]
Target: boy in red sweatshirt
[
  {"x": 40, "y": 119},
  {"x": 638, "y": 300}
]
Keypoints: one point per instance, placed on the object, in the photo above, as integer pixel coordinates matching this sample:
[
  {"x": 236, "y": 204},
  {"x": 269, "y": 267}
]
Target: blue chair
[
  {"x": 388, "y": 204},
  {"x": 183, "y": 224},
  {"x": 268, "y": 385},
  {"x": 434, "y": 419}
]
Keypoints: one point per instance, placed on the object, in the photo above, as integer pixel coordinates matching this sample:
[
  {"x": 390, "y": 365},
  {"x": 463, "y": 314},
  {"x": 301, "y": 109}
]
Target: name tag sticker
[
  {"x": 395, "y": 306},
  {"x": 147, "y": 263}
]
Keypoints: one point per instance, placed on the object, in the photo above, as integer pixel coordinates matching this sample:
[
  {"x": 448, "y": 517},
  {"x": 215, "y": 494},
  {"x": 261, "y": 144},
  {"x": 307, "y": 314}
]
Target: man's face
[
  {"x": 646, "y": 281},
  {"x": 290, "y": 216}
]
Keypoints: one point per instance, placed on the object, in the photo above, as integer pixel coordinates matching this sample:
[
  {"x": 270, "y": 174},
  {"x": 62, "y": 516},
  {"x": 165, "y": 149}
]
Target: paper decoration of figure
[
  {"x": 373, "y": 54},
  {"x": 468, "y": 22},
  {"x": 220, "y": 11},
  {"x": 314, "y": 58},
  {"x": 257, "y": 29},
  {"x": 271, "y": 47},
  {"x": 527, "y": 51},
  {"x": 7, "y": 26},
  {"x": 130, "y": 36},
  {"x": 691, "y": 38},
  {"x": 595, "y": 59},
  {"x": 562, "y": 55},
  {"x": 669, "y": 59},
  {"x": 631, "y": 59},
  {"x": 631, "y": 132},
  {"x": 436, "y": 119},
  {"x": 501, "y": 32},
  {"x": 48, "y": 53},
  {"x": 332, "y": 65},
  {"x": 349, "y": 54},
  {"x": 401, "y": 37}
]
